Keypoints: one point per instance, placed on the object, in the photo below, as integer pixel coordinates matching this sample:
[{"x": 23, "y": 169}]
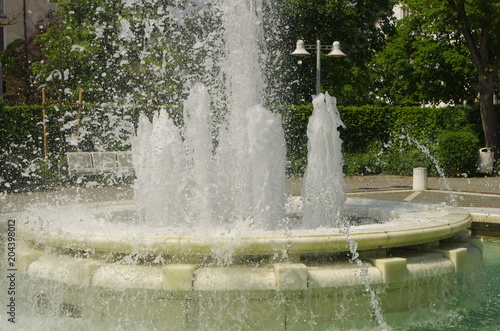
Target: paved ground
[
  {"x": 479, "y": 192},
  {"x": 479, "y": 195}
]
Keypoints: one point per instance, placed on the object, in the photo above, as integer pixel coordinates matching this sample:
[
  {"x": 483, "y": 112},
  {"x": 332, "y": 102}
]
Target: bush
[
  {"x": 456, "y": 152},
  {"x": 361, "y": 164},
  {"x": 389, "y": 140},
  {"x": 401, "y": 162},
  {"x": 376, "y": 140},
  {"x": 22, "y": 159},
  {"x": 364, "y": 125}
]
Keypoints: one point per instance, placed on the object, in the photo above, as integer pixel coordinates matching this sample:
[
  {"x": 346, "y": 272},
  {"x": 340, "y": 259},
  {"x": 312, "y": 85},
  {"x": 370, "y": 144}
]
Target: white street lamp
[{"x": 301, "y": 50}]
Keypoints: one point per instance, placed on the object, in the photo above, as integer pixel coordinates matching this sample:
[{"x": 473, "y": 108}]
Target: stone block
[
  {"x": 119, "y": 276},
  {"x": 63, "y": 269},
  {"x": 234, "y": 278},
  {"x": 393, "y": 269},
  {"x": 458, "y": 256},
  {"x": 427, "y": 264},
  {"x": 338, "y": 275},
  {"x": 178, "y": 277},
  {"x": 290, "y": 276}
]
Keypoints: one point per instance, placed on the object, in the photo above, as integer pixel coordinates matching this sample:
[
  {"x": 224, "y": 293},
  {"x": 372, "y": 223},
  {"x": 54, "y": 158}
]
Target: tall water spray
[
  {"x": 323, "y": 187},
  {"x": 95, "y": 267},
  {"x": 190, "y": 176},
  {"x": 193, "y": 176}
]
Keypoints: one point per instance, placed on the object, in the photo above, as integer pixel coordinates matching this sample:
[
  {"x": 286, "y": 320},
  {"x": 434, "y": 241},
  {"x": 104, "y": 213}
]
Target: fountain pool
[
  {"x": 210, "y": 242},
  {"x": 91, "y": 267}
]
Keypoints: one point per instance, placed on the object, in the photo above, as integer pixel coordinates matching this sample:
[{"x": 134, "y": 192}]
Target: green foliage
[
  {"x": 453, "y": 53},
  {"x": 364, "y": 125},
  {"x": 24, "y": 166},
  {"x": 424, "y": 124},
  {"x": 376, "y": 140},
  {"x": 295, "y": 119},
  {"x": 420, "y": 66},
  {"x": 456, "y": 152},
  {"x": 361, "y": 164},
  {"x": 393, "y": 140},
  {"x": 361, "y": 26},
  {"x": 21, "y": 147},
  {"x": 402, "y": 160},
  {"x": 496, "y": 168},
  {"x": 112, "y": 50},
  {"x": 14, "y": 70}
]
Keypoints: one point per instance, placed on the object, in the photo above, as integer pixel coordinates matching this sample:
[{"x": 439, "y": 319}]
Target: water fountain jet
[{"x": 207, "y": 243}]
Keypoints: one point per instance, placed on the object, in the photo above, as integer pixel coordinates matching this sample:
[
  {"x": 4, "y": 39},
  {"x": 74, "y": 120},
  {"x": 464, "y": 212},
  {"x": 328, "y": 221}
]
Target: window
[
  {"x": 2, "y": 8},
  {"x": 404, "y": 12}
]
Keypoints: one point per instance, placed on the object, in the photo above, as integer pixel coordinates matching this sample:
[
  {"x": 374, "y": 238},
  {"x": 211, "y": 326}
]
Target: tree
[
  {"x": 114, "y": 50},
  {"x": 478, "y": 22},
  {"x": 360, "y": 25},
  {"x": 418, "y": 67}
]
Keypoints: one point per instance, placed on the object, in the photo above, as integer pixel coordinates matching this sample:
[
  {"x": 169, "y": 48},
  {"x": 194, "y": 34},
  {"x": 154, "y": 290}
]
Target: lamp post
[{"x": 301, "y": 50}]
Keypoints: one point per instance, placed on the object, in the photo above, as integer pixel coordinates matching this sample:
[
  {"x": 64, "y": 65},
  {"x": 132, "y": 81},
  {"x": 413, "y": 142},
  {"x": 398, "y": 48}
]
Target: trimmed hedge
[
  {"x": 394, "y": 140},
  {"x": 457, "y": 151},
  {"x": 376, "y": 140},
  {"x": 22, "y": 163},
  {"x": 21, "y": 147}
]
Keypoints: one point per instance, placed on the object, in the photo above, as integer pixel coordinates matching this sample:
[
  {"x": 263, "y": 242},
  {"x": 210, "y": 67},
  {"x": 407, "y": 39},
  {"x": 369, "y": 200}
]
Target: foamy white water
[
  {"x": 323, "y": 187},
  {"x": 190, "y": 176}
]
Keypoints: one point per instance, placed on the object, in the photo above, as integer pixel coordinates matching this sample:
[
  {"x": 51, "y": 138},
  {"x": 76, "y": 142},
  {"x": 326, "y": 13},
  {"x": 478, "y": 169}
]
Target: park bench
[{"x": 97, "y": 163}]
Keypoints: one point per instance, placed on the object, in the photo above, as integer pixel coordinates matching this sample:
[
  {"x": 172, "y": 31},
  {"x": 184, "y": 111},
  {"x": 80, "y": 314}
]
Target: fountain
[{"x": 211, "y": 242}]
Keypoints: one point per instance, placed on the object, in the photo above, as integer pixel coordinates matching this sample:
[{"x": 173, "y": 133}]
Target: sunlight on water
[
  {"x": 464, "y": 313},
  {"x": 219, "y": 169}
]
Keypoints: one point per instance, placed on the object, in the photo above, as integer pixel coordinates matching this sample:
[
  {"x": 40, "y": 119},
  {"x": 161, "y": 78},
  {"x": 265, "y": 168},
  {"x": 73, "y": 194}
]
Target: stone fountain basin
[
  {"x": 96, "y": 263},
  {"x": 399, "y": 224}
]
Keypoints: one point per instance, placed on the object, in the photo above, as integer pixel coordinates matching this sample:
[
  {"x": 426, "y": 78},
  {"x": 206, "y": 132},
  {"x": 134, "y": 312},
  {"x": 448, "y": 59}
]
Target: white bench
[{"x": 95, "y": 163}]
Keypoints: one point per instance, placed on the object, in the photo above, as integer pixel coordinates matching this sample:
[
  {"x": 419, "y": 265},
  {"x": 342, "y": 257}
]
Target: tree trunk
[
  {"x": 485, "y": 59},
  {"x": 488, "y": 116}
]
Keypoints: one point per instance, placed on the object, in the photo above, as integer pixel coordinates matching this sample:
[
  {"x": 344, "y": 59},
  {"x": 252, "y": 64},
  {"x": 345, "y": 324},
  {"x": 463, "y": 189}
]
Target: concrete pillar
[{"x": 419, "y": 179}]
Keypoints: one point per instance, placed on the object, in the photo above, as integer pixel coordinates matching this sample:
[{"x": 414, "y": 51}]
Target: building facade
[{"x": 19, "y": 20}]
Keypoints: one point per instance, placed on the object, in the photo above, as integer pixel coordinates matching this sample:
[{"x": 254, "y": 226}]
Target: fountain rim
[{"x": 446, "y": 222}]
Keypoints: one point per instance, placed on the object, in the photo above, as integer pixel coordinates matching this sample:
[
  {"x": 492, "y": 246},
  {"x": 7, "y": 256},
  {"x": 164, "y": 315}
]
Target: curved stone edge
[
  {"x": 486, "y": 217},
  {"x": 448, "y": 221},
  {"x": 454, "y": 255}
]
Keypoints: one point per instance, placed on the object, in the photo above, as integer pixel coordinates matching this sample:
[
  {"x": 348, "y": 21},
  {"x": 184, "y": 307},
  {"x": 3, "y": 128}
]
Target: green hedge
[
  {"x": 394, "y": 140},
  {"x": 21, "y": 147},
  {"x": 376, "y": 140},
  {"x": 23, "y": 165},
  {"x": 103, "y": 128},
  {"x": 457, "y": 151}
]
